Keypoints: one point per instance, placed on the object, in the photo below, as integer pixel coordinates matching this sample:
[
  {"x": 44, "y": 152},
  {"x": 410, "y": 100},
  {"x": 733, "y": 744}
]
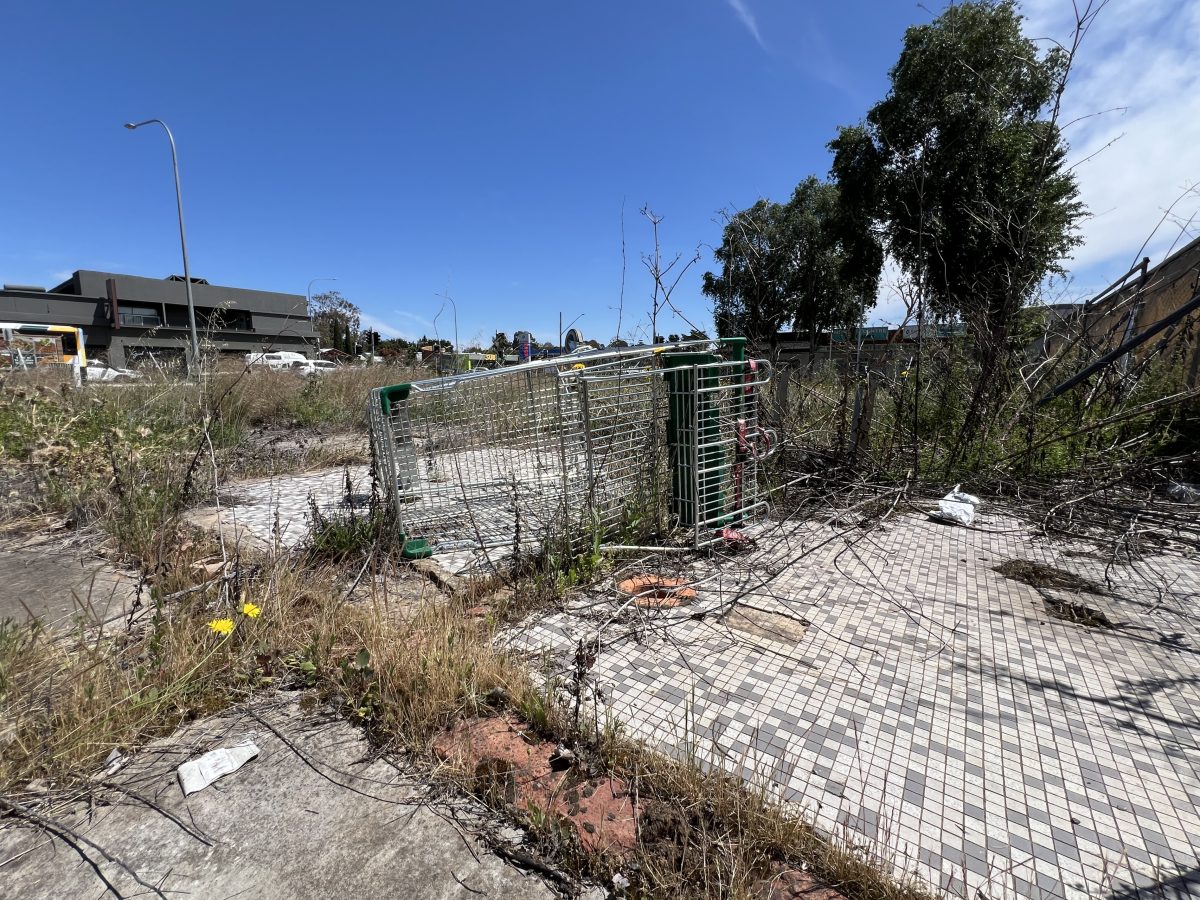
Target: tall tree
[
  {"x": 334, "y": 341},
  {"x": 501, "y": 344},
  {"x": 808, "y": 263},
  {"x": 962, "y": 168},
  {"x": 336, "y": 319}
]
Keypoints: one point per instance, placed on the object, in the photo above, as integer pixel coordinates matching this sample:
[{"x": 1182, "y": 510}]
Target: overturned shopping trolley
[{"x": 638, "y": 439}]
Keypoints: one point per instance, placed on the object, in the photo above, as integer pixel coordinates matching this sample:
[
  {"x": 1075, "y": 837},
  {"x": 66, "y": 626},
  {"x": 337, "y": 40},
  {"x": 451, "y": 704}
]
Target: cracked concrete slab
[
  {"x": 58, "y": 584},
  {"x": 315, "y": 815}
]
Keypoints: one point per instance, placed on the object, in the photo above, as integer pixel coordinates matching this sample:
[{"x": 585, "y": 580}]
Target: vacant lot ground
[
  {"x": 906, "y": 695},
  {"x": 1003, "y": 735}
]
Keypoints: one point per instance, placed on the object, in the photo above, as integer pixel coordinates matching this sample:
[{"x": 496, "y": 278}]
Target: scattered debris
[
  {"x": 1040, "y": 575},
  {"x": 209, "y": 567},
  {"x": 1078, "y": 613},
  {"x": 197, "y": 774},
  {"x": 1048, "y": 578},
  {"x": 562, "y": 758},
  {"x": 657, "y": 591},
  {"x": 957, "y": 507},
  {"x": 113, "y": 762},
  {"x": 1182, "y": 492},
  {"x": 735, "y": 540},
  {"x": 771, "y": 626}
]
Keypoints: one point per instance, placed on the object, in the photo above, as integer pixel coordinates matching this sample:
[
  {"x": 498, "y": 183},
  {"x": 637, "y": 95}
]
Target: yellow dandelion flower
[
  {"x": 251, "y": 611},
  {"x": 904, "y": 374},
  {"x": 579, "y": 366},
  {"x": 221, "y": 626}
]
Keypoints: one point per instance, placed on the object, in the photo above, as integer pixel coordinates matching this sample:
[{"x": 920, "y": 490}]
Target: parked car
[
  {"x": 313, "y": 366},
  {"x": 279, "y": 359},
  {"x": 98, "y": 371}
]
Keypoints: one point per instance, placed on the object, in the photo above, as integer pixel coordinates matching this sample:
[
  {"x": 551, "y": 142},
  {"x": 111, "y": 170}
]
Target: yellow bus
[{"x": 25, "y": 346}]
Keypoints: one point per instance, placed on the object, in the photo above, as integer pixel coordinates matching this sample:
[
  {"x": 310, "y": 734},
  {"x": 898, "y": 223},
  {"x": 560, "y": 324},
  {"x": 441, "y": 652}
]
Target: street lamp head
[{"x": 130, "y": 126}]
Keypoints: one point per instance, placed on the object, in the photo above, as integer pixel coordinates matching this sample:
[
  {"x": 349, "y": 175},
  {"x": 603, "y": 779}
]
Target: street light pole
[
  {"x": 308, "y": 301},
  {"x": 194, "y": 363}
]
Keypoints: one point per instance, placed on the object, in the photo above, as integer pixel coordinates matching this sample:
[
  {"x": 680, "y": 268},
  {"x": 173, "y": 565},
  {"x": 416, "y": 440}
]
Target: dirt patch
[
  {"x": 513, "y": 766},
  {"x": 657, "y": 591},
  {"x": 1078, "y": 613},
  {"x": 1040, "y": 575},
  {"x": 793, "y": 884},
  {"x": 768, "y": 625}
]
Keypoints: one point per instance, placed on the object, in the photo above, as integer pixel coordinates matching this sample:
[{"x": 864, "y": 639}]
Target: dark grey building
[{"x": 125, "y": 316}]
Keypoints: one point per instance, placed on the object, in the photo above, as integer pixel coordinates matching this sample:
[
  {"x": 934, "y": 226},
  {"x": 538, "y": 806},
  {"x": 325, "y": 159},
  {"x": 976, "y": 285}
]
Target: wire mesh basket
[{"x": 637, "y": 437}]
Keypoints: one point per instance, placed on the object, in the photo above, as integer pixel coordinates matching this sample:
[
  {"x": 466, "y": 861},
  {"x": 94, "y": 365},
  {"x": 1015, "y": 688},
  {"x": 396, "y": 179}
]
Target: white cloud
[
  {"x": 747, "y": 19},
  {"x": 385, "y": 330},
  {"x": 1132, "y": 163},
  {"x": 425, "y": 323}
]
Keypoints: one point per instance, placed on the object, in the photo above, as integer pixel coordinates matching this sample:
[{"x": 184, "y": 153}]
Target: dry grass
[
  {"x": 69, "y": 700},
  {"x": 709, "y": 834},
  {"x": 260, "y": 396}
]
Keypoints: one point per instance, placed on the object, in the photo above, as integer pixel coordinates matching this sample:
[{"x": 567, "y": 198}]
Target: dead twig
[{"x": 76, "y": 842}]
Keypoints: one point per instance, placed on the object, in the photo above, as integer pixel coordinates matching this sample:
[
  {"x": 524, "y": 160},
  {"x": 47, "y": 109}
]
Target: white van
[{"x": 275, "y": 359}]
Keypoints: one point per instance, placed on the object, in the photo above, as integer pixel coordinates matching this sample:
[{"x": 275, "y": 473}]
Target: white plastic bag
[
  {"x": 197, "y": 774},
  {"x": 958, "y": 507}
]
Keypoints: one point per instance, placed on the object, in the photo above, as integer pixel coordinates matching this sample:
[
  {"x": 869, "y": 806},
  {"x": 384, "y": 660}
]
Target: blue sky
[{"x": 489, "y": 149}]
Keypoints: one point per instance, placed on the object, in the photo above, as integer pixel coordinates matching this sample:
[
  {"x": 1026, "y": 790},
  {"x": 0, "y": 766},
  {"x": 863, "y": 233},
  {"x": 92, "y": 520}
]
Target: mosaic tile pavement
[
  {"x": 912, "y": 700},
  {"x": 278, "y": 509},
  {"x": 900, "y": 691}
]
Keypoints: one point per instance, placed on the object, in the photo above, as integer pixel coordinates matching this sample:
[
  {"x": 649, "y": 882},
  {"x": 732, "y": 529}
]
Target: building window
[
  {"x": 220, "y": 319},
  {"x": 141, "y": 316}
]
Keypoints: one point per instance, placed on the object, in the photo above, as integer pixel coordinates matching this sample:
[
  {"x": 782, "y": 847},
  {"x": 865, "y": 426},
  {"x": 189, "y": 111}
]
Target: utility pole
[{"x": 194, "y": 362}]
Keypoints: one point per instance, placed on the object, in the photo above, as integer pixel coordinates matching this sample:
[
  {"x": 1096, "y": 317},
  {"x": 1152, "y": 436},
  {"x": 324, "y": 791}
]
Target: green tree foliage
[
  {"x": 501, "y": 344},
  {"x": 808, "y": 263},
  {"x": 336, "y": 320},
  {"x": 962, "y": 167},
  {"x": 396, "y": 350},
  {"x": 368, "y": 339}
]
